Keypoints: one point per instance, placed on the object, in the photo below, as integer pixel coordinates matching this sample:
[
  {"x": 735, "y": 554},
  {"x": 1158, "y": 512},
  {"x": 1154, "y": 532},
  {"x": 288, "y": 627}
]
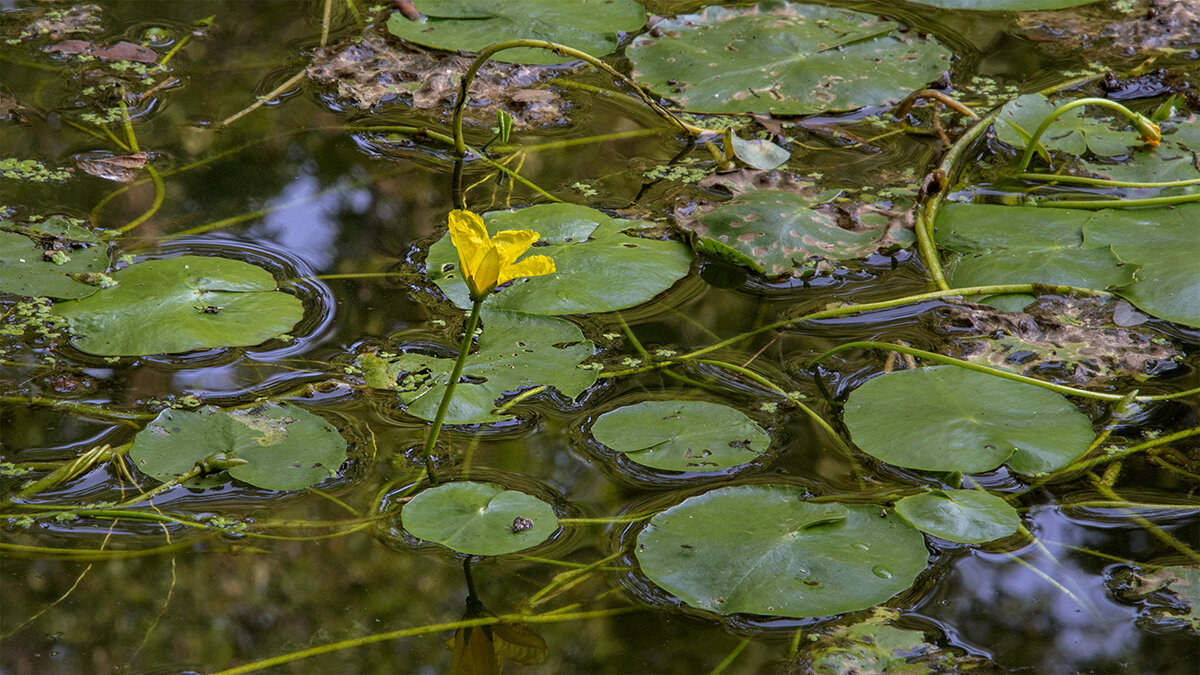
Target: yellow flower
[{"x": 486, "y": 262}]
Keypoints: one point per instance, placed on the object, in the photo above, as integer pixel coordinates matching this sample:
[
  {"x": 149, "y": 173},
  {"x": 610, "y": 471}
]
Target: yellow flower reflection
[{"x": 486, "y": 262}]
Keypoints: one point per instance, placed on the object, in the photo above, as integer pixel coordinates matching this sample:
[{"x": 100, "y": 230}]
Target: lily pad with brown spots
[{"x": 783, "y": 58}]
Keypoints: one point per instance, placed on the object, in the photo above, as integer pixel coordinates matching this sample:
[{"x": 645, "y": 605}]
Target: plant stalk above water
[{"x": 455, "y": 374}]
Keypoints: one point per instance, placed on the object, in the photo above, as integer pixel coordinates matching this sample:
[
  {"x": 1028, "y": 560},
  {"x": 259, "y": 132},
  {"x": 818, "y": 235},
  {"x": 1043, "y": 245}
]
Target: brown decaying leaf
[
  {"x": 372, "y": 71},
  {"x": 77, "y": 19},
  {"x": 122, "y": 51},
  {"x": 123, "y": 169},
  {"x": 1075, "y": 339},
  {"x": 1166, "y": 24}
]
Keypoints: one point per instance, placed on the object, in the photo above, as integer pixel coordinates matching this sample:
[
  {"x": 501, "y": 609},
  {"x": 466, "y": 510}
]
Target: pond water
[{"x": 340, "y": 203}]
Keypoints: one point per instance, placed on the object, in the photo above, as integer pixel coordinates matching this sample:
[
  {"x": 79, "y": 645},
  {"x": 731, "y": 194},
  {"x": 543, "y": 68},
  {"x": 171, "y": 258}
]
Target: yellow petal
[
  {"x": 469, "y": 236},
  {"x": 533, "y": 266},
  {"x": 486, "y": 276},
  {"x": 513, "y": 243}
]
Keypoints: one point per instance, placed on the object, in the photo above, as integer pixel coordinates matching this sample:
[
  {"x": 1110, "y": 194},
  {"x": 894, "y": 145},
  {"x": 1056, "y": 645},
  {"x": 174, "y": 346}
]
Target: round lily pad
[
  {"x": 965, "y": 516},
  {"x": 179, "y": 304},
  {"x": 761, "y": 550},
  {"x": 54, "y": 258},
  {"x": 479, "y": 518},
  {"x": 471, "y": 25},
  {"x": 682, "y": 435},
  {"x": 945, "y": 418},
  {"x": 599, "y": 268},
  {"x": 783, "y": 58},
  {"x": 284, "y": 447}
]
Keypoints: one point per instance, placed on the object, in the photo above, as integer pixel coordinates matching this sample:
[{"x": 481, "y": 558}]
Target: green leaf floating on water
[
  {"x": 965, "y": 516},
  {"x": 479, "y": 518},
  {"x": 761, "y": 550},
  {"x": 179, "y": 304},
  {"x": 780, "y": 230},
  {"x": 516, "y": 351},
  {"x": 599, "y": 269},
  {"x": 1025, "y": 244},
  {"x": 1165, "y": 245},
  {"x": 682, "y": 435},
  {"x": 945, "y": 418},
  {"x": 1070, "y": 133},
  {"x": 285, "y": 447},
  {"x": 783, "y": 58},
  {"x": 472, "y": 25},
  {"x": 1148, "y": 255},
  {"x": 1004, "y": 5},
  {"x": 53, "y": 258}
]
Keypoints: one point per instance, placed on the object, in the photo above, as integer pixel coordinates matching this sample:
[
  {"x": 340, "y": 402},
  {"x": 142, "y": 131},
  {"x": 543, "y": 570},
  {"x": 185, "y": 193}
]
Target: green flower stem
[
  {"x": 72, "y": 469},
  {"x": 426, "y": 630},
  {"x": 587, "y": 140},
  {"x": 848, "y": 309},
  {"x": 949, "y": 169},
  {"x": 174, "y": 482},
  {"x": 794, "y": 398},
  {"x": 463, "y": 352},
  {"x": 921, "y": 353},
  {"x": 1116, "y": 455},
  {"x": 1140, "y": 122},
  {"x": 561, "y": 50},
  {"x": 1156, "y": 531},
  {"x": 83, "y": 409},
  {"x": 1118, "y": 203},
  {"x": 160, "y": 195},
  {"x": 1103, "y": 182}
]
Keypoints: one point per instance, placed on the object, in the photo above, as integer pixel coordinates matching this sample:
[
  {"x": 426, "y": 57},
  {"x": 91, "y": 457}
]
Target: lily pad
[
  {"x": 479, "y": 518},
  {"x": 516, "y": 351},
  {"x": 1165, "y": 245},
  {"x": 179, "y": 304},
  {"x": 284, "y": 447},
  {"x": 682, "y": 435},
  {"x": 1025, "y": 244},
  {"x": 599, "y": 269},
  {"x": 1004, "y": 5},
  {"x": 780, "y": 231},
  {"x": 54, "y": 258},
  {"x": 945, "y": 418},
  {"x": 760, "y": 550},
  {"x": 1071, "y": 133},
  {"x": 965, "y": 516},
  {"x": 591, "y": 26},
  {"x": 783, "y": 58}
]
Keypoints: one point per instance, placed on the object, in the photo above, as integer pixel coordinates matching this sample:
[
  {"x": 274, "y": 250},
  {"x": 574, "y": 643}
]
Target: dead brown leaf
[
  {"x": 122, "y": 51},
  {"x": 1072, "y": 339},
  {"x": 372, "y": 71},
  {"x": 123, "y": 169}
]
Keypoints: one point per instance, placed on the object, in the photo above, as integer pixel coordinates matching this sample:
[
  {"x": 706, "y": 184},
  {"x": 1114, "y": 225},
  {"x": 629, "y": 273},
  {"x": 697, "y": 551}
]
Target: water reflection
[{"x": 995, "y": 602}]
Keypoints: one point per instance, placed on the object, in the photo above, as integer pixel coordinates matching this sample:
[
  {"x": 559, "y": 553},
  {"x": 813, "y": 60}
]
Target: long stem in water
[{"x": 463, "y": 351}]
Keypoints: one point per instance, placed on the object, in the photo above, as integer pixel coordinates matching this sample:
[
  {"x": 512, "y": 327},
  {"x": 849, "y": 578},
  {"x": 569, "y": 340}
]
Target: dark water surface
[{"x": 300, "y": 188}]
